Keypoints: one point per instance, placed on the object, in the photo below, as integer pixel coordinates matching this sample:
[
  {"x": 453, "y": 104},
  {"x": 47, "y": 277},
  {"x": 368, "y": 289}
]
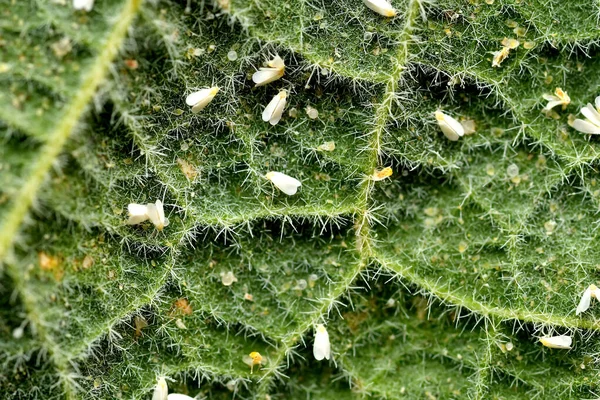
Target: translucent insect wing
[
  {"x": 381, "y": 7},
  {"x": 278, "y": 111},
  {"x": 137, "y": 213},
  {"x": 161, "y": 390},
  {"x": 277, "y": 63},
  {"x": 590, "y": 113},
  {"x": 86, "y": 5},
  {"x": 194, "y": 98},
  {"x": 265, "y": 76},
  {"x": 178, "y": 396},
  {"x": 270, "y": 108},
  {"x": 137, "y": 209},
  {"x": 584, "y": 303},
  {"x": 450, "y": 127},
  {"x": 557, "y": 342},
  {"x": 285, "y": 183},
  {"x": 585, "y": 127},
  {"x": 322, "y": 346}
]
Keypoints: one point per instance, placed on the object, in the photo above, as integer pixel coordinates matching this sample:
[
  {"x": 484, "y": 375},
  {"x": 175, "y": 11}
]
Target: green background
[{"x": 422, "y": 279}]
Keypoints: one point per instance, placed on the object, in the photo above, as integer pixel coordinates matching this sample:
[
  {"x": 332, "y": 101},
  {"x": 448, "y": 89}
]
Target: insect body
[
  {"x": 274, "y": 109},
  {"x": 322, "y": 346},
  {"x": 283, "y": 182},
  {"x": 267, "y": 75},
  {"x": 200, "y": 99}
]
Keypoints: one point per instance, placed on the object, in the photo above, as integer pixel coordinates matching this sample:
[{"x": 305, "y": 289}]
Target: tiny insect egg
[
  {"x": 179, "y": 323},
  {"x": 549, "y": 226},
  {"x": 312, "y": 112},
  {"x": 327, "y": 146},
  {"x": 512, "y": 170},
  {"x": 232, "y": 55},
  {"x": 490, "y": 170},
  {"x": 301, "y": 284},
  {"x": 18, "y": 333},
  {"x": 509, "y": 346}
]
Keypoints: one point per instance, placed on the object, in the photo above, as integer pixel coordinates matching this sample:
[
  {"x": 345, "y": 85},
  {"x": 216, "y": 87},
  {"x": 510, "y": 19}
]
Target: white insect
[
  {"x": 586, "y": 298},
  {"x": 161, "y": 390},
  {"x": 285, "y": 183},
  {"x": 139, "y": 213},
  {"x": 557, "y": 342},
  {"x": 592, "y": 122},
  {"x": 274, "y": 110},
  {"x": 228, "y": 278},
  {"x": 200, "y": 99},
  {"x": 557, "y": 99},
  {"x": 451, "y": 128},
  {"x": 321, "y": 347},
  {"x": 85, "y": 5},
  {"x": 177, "y": 396},
  {"x": 381, "y": 7},
  {"x": 267, "y": 75}
]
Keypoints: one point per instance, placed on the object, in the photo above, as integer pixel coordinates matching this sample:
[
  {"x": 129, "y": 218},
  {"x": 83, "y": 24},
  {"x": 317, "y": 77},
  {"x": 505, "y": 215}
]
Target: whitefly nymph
[{"x": 381, "y": 7}]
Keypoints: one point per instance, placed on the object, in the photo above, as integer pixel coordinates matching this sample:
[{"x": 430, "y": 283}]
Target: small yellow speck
[{"x": 379, "y": 175}]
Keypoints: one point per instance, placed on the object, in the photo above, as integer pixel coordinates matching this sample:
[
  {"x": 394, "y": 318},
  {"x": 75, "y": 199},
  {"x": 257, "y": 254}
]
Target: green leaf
[{"x": 434, "y": 283}]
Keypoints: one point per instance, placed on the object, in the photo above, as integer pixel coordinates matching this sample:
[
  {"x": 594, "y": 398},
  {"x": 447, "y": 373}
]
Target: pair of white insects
[
  {"x": 563, "y": 341},
  {"x": 591, "y": 123}
]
